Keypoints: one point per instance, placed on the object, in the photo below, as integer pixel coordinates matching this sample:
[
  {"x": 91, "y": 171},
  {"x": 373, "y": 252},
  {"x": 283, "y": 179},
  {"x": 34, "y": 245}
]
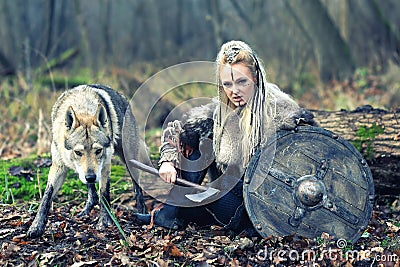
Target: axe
[{"x": 208, "y": 191}]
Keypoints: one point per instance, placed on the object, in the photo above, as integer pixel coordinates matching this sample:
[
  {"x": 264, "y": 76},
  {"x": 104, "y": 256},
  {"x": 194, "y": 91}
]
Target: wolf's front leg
[
  {"x": 92, "y": 200},
  {"x": 55, "y": 180},
  {"x": 104, "y": 218}
]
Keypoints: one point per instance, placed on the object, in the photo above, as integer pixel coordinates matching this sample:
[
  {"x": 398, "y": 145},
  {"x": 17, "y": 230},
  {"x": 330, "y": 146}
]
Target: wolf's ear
[
  {"x": 101, "y": 116},
  {"x": 70, "y": 119}
]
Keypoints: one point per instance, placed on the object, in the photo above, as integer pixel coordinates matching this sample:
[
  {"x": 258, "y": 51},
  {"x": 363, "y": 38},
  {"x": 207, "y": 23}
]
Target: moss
[
  {"x": 25, "y": 188},
  {"x": 14, "y": 188},
  {"x": 365, "y": 137}
]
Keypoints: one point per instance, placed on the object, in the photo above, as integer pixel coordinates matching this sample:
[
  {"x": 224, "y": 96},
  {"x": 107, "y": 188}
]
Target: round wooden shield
[{"x": 309, "y": 181}]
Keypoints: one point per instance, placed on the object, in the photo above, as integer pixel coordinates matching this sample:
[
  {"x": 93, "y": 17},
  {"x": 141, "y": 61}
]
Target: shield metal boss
[{"x": 309, "y": 181}]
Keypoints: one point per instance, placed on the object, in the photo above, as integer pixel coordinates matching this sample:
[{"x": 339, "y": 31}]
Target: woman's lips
[{"x": 237, "y": 99}]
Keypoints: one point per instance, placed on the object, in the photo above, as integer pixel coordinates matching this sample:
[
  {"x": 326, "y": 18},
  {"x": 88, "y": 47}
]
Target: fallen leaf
[
  {"x": 32, "y": 256},
  {"x": 377, "y": 249},
  {"x": 8, "y": 250},
  {"x": 245, "y": 243},
  {"x": 58, "y": 235},
  {"x": 119, "y": 214},
  {"x": 392, "y": 227},
  {"x": 18, "y": 238},
  {"x": 10, "y": 218},
  {"x": 122, "y": 257},
  {"x": 48, "y": 259},
  {"x": 15, "y": 170},
  {"x": 63, "y": 225},
  {"x": 19, "y": 171},
  {"x": 173, "y": 250},
  {"x": 100, "y": 235},
  {"x": 42, "y": 162},
  {"x": 16, "y": 223},
  {"x": 199, "y": 257},
  {"x": 6, "y": 232},
  {"x": 160, "y": 263},
  {"x": 234, "y": 263},
  {"x": 84, "y": 263}
]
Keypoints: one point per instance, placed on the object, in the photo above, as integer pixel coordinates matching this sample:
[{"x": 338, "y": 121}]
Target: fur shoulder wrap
[{"x": 196, "y": 125}]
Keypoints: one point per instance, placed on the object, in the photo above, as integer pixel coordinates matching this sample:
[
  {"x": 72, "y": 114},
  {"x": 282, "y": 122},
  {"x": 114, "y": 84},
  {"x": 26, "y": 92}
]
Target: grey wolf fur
[{"x": 86, "y": 131}]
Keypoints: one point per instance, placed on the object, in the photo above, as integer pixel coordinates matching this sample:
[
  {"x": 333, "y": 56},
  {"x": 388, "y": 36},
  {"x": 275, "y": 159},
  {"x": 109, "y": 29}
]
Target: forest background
[{"x": 329, "y": 55}]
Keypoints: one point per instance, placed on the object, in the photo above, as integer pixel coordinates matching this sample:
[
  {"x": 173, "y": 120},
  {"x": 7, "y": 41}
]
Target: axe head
[{"x": 199, "y": 197}]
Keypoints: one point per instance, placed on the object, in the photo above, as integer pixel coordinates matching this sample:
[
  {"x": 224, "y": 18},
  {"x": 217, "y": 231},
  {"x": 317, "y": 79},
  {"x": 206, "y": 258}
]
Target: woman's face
[{"x": 238, "y": 83}]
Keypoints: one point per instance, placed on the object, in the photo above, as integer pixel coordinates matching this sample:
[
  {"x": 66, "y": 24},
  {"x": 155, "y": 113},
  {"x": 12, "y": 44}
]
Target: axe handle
[{"x": 154, "y": 171}]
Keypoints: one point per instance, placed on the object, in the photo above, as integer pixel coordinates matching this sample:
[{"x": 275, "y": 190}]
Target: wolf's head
[{"x": 88, "y": 141}]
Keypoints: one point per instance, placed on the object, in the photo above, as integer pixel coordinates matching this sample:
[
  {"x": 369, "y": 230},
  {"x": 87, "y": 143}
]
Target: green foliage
[
  {"x": 364, "y": 139},
  {"x": 303, "y": 83},
  {"x": 391, "y": 243},
  {"x": 360, "y": 76},
  {"x": 152, "y": 138},
  {"x": 19, "y": 188}
]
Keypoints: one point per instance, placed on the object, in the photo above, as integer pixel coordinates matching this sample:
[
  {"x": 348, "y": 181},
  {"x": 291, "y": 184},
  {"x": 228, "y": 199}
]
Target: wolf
[{"x": 86, "y": 132}]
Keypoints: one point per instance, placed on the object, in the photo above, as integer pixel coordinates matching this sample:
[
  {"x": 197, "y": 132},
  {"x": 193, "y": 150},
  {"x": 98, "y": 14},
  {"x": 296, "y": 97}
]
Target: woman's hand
[{"x": 168, "y": 172}]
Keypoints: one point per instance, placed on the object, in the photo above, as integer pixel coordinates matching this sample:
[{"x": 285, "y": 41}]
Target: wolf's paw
[
  {"x": 35, "y": 231},
  {"x": 141, "y": 206},
  {"x": 104, "y": 222},
  {"x": 83, "y": 213}
]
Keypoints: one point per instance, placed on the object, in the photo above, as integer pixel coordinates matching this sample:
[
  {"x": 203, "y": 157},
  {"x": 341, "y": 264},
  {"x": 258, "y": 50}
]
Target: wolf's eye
[
  {"x": 78, "y": 153},
  {"x": 98, "y": 151}
]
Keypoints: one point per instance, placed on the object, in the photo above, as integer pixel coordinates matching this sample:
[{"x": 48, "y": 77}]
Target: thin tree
[{"x": 332, "y": 52}]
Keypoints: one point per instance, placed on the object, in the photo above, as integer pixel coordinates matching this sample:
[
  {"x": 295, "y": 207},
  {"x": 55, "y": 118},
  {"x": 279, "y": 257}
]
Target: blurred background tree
[
  {"x": 329, "y": 54},
  {"x": 293, "y": 37}
]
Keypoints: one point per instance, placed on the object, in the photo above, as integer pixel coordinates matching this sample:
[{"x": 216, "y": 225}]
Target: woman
[{"x": 249, "y": 111}]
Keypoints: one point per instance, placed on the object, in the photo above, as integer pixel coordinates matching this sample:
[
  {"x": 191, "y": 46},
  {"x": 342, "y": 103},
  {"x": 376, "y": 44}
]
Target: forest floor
[{"x": 72, "y": 241}]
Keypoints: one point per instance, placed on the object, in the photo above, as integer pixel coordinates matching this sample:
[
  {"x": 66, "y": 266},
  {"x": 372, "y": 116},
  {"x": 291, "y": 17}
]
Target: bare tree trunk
[
  {"x": 216, "y": 21},
  {"x": 152, "y": 25},
  {"x": 374, "y": 132},
  {"x": 332, "y": 52},
  {"x": 50, "y": 23},
  {"x": 7, "y": 67},
  {"x": 179, "y": 19},
  {"x": 389, "y": 38},
  {"x": 84, "y": 38},
  {"x": 9, "y": 64},
  {"x": 106, "y": 29}
]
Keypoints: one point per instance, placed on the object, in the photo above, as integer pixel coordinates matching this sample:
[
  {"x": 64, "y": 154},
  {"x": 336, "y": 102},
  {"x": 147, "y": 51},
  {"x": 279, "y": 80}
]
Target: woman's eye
[
  {"x": 78, "y": 153},
  {"x": 98, "y": 151},
  {"x": 227, "y": 84},
  {"x": 242, "y": 82}
]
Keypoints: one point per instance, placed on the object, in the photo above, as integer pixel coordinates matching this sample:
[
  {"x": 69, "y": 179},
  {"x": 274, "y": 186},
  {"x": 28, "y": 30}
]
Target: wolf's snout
[{"x": 90, "y": 177}]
